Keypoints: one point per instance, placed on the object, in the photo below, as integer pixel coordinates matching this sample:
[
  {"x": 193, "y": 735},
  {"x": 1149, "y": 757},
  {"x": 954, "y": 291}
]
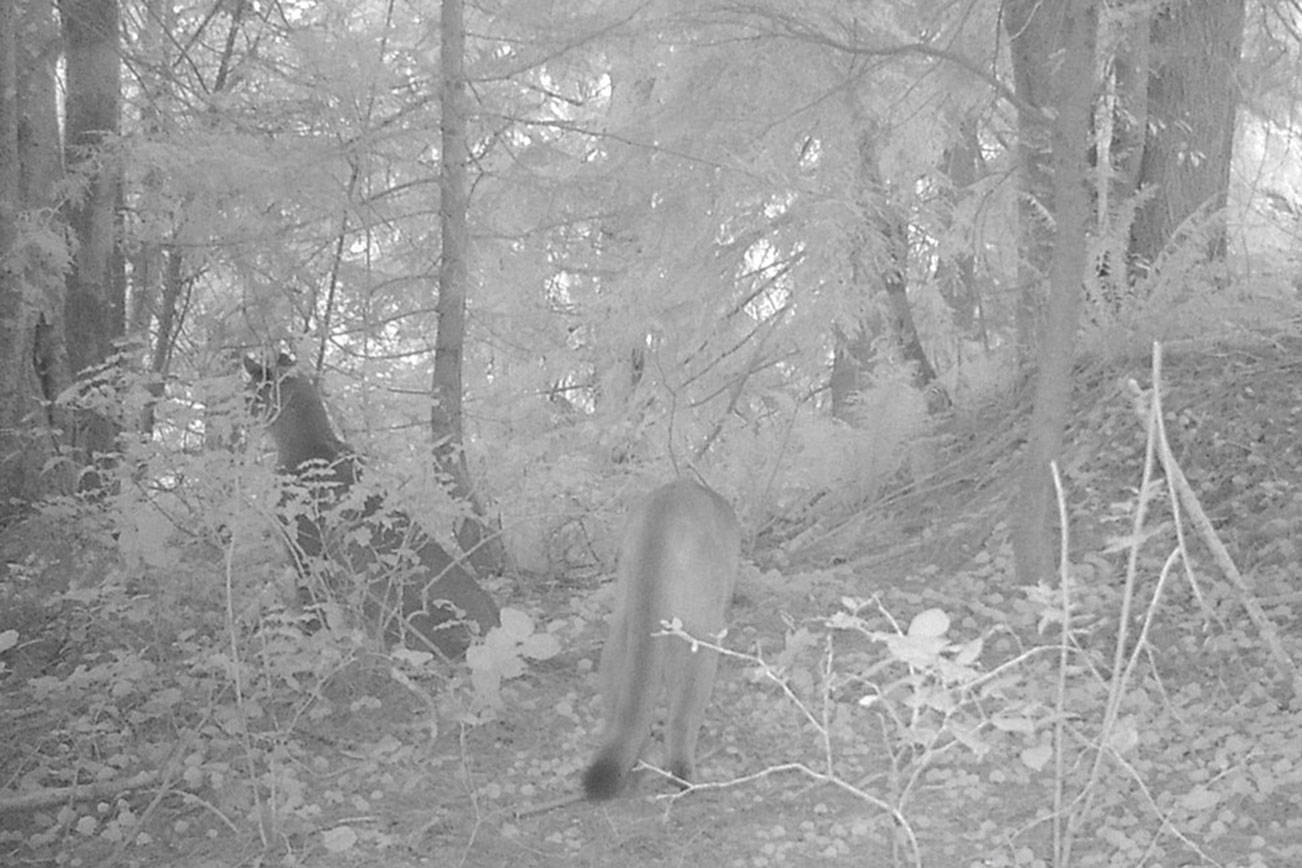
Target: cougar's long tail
[{"x": 637, "y": 681}]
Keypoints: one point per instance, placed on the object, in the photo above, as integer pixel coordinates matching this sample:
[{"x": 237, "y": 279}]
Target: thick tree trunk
[
  {"x": 1071, "y": 25},
  {"x": 95, "y": 287},
  {"x": 1192, "y": 100},
  {"x": 33, "y": 362},
  {"x": 95, "y": 306},
  {"x": 40, "y": 157},
  {"x": 42, "y": 169},
  {"x": 9, "y": 176},
  {"x": 17, "y": 476}
]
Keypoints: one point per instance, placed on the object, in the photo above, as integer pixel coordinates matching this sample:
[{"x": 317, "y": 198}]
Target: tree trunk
[
  {"x": 453, "y": 267},
  {"x": 1121, "y": 141},
  {"x": 851, "y": 356},
  {"x": 9, "y": 176},
  {"x": 1071, "y": 25},
  {"x": 956, "y": 272},
  {"x": 41, "y": 162},
  {"x": 33, "y": 362},
  {"x": 163, "y": 308},
  {"x": 446, "y": 420},
  {"x": 96, "y": 284},
  {"x": 1032, "y": 40},
  {"x": 1192, "y": 99},
  {"x": 636, "y": 68},
  {"x": 18, "y": 478},
  {"x": 904, "y": 333},
  {"x": 878, "y": 258}
]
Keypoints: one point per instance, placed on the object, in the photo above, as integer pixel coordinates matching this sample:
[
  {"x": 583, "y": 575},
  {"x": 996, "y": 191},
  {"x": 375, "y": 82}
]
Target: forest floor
[{"x": 831, "y": 739}]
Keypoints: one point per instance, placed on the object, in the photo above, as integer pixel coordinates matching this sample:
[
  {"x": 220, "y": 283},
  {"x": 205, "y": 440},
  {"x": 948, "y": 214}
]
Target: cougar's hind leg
[{"x": 689, "y": 688}]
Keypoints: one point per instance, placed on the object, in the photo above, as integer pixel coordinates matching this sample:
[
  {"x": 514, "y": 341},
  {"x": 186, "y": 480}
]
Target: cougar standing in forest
[
  {"x": 412, "y": 591},
  {"x": 679, "y": 559}
]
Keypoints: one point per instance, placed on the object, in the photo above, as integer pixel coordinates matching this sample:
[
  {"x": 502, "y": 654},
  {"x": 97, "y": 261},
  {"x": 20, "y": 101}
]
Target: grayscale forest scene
[{"x": 728, "y": 433}]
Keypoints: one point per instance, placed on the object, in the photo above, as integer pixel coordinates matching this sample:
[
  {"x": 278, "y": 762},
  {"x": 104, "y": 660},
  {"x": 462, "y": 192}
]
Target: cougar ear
[{"x": 267, "y": 372}]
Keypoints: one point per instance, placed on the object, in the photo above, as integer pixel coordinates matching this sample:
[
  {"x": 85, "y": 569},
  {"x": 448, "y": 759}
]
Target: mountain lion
[
  {"x": 678, "y": 560},
  {"x": 411, "y": 590}
]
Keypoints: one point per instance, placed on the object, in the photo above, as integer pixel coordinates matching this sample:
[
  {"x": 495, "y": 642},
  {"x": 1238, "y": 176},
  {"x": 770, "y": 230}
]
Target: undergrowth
[{"x": 1126, "y": 714}]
